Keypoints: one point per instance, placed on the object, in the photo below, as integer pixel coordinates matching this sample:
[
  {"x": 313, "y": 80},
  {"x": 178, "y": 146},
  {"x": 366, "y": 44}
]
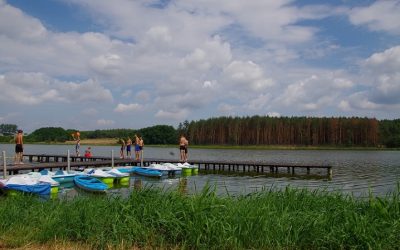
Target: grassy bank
[{"x": 155, "y": 219}]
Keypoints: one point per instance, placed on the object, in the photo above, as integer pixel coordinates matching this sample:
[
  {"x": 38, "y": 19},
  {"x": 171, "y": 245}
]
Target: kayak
[{"x": 90, "y": 184}]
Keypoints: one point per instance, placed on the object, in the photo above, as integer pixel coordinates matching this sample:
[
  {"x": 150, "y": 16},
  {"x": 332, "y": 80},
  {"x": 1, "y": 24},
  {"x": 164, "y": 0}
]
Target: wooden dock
[{"x": 37, "y": 162}]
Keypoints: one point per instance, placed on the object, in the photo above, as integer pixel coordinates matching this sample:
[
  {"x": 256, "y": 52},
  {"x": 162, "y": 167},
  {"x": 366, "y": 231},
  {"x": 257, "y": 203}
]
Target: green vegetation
[
  {"x": 264, "y": 131},
  {"x": 151, "y": 218},
  {"x": 8, "y": 129},
  {"x": 49, "y": 134}
]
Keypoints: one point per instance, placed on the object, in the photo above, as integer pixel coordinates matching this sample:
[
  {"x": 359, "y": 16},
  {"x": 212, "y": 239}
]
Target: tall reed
[{"x": 153, "y": 218}]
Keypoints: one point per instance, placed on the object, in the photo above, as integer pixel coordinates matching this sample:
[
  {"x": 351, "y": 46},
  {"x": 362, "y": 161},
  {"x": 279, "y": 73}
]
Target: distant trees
[
  {"x": 266, "y": 130},
  {"x": 8, "y": 129},
  {"x": 255, "y": 130},
  {"x": 159, "y": 134},
  {"x": 389, "y": 132},
  {"x": 107, "y": 133},
  {"x": 49, "y": 134}
]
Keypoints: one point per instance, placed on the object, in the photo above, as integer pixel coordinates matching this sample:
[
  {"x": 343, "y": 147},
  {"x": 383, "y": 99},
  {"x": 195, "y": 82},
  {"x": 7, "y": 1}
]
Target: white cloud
[
  {"x": 143, "y": 96},
  {"x": 214, "y": 53},
  {"x": 226, "y": 108},
  {"x": 179, "y": 115},
  {"x": 87, "y": 91},
  {"x": 90, "y": 111},
  {"x": 315, "y": 92},
  {"x": 35, "y": 88},
  {"x": 106, "y": 64},
  {"x": 386, "y": 61},
  {"x": 127, "y": 107},
  {"x": 259, "y": 103},
  {"x": 127, "y": 93},
  {"x": 105, "y": 122},
  {"x": 273, "y": 114},
  {"x": 247, "y": 75},
  {"x": 16, "y": 25},
  {"x": 197, "y": 57},
  {"x": 382, "y": 78},
  {"x": 379, "y": 16}
]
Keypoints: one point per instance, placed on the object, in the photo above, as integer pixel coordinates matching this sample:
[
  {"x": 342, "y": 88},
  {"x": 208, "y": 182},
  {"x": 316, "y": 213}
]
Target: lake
[{"x": 354, "y": 172}]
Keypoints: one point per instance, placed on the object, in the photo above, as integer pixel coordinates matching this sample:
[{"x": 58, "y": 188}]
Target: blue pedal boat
[
  {"x": 148, "y": 172},
  {"x": 90, "y": 184}
]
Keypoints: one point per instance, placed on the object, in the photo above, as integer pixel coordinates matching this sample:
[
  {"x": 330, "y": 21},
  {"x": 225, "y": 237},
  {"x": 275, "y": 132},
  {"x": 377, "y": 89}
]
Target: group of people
[
  {"x": 139, "y": 143},
  {"x": 127, "y": 145},
  {"x": 77, "y": 138}
]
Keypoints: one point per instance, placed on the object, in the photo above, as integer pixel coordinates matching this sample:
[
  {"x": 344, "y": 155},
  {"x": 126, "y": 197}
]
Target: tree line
[
  {"x": 255, "y": 130},
  {"x": 302, "y": 131},
  {"x": 159, "y": 134}
]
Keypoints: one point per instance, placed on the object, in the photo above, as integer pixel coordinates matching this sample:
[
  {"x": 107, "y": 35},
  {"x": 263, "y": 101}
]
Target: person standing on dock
[
  {"x": 141, "y": 145},
  {"x": 19, "y": 147},
  {"x": 77, "y": 138},
  {"x": 128, "y": 148},
  {"x": 183, "y": 145},
  {"x": 137, "y": 147},
  {"x": 122, "y": 151}
]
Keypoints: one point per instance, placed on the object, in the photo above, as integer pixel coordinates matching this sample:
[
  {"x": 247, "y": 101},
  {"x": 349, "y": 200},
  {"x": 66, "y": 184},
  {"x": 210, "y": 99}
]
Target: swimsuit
[
  {"x": 128, "y": 148},
  {"x": 19, "y": 148},
  {"x": 137, "y": 147}
]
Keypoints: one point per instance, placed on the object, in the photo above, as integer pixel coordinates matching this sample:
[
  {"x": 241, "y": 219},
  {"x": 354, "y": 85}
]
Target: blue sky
[{"x": 98, "y": 64}]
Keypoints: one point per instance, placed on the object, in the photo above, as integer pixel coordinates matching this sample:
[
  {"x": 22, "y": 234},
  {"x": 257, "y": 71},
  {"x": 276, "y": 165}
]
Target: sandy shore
[{"x": 101, "y": 141}]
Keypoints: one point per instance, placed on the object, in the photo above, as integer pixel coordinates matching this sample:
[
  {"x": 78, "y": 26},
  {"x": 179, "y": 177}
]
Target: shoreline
[{"x": 113, "y": 142}]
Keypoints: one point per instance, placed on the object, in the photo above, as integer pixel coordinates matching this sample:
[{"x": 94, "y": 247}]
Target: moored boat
[
  {"x": 101, "y": 175},
  {"x": 126, "y": 169},
  {"x": 147, "y": 172},
  {"x": 90, "y": 183},
  {"x": 25, "y": 184},
  {"x": 119, "y": 176},
  {"x": 188, "y": 168},
  {"x": 62, "y": 176},
  {"x": 166, "y": 168}
]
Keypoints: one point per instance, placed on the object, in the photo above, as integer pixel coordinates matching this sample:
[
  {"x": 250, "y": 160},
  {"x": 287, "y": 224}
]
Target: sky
[{"x": 100, "y": 64}]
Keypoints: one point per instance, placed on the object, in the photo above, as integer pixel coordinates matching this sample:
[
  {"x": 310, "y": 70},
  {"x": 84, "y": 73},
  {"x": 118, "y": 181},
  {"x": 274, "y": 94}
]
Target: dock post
[
  {"x": 141, "y": 158},
  {"x": 330, "y": 172},
  {"x": 4, "y": 165},
  {"x": 68, "y": 161},
  {"x": 112, "y": 158}
]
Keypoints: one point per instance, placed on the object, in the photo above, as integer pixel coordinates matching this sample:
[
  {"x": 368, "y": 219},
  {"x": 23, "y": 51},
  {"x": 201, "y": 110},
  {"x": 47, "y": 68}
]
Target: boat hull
[
  {"x": 147, "y": 172},
  {"x": 90, "y": 184},
  {"x": 40, "y": 189}
]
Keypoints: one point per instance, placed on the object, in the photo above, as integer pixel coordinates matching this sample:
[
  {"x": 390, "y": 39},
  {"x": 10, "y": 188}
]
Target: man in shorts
[{"x": 19, "y": 148}]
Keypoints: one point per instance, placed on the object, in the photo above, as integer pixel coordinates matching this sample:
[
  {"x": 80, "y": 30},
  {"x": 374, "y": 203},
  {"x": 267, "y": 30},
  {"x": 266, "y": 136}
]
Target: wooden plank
[{"x": 100, "y": 161}]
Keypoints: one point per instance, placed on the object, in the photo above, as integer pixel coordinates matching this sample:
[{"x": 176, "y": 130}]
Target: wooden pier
[{"x": 38, "y": 162}]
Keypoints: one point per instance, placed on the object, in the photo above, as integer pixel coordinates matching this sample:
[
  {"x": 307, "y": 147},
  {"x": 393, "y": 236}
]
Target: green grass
[{"x": 152, "y": 218}]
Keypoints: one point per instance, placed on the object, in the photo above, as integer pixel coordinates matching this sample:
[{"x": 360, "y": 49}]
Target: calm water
[{"x": 357, "y": 172}]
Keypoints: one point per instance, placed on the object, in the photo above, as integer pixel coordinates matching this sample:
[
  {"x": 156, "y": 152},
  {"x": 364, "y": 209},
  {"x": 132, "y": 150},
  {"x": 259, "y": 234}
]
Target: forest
[
  {"x": 304, "y": 131},
  {"x": 244, "y": 131}
]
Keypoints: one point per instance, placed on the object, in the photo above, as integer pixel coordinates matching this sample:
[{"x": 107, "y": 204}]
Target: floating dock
[{"x": 37, "y": 162}]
